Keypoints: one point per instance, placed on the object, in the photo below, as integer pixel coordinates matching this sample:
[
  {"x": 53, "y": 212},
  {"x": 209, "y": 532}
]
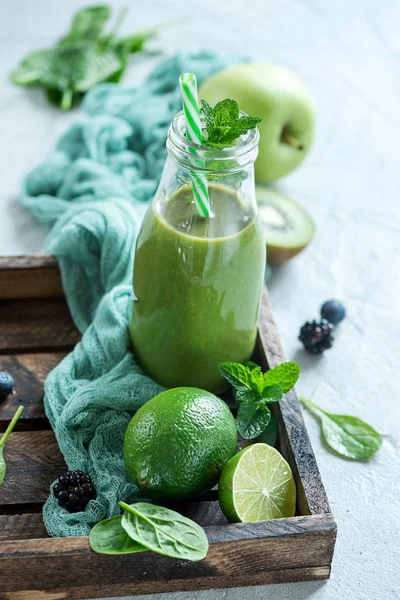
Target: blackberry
[
  {"x": 333, "y": 311},
  {"x": 6, "y": 384},
  {"x": 74, "y": 490},
  {"x": 317, "y": 337}
]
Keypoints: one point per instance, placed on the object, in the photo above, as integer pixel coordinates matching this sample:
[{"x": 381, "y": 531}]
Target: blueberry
[
  {"x": 6, "y": 384},
  {"x": 333, "y": 311}
]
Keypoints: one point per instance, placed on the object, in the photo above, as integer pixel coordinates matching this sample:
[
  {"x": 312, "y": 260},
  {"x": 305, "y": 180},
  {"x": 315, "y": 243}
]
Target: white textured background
[{"x": 348, "y": 53}]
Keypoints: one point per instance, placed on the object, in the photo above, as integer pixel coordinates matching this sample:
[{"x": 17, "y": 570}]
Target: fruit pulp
[{"x": 197, "y": 287}]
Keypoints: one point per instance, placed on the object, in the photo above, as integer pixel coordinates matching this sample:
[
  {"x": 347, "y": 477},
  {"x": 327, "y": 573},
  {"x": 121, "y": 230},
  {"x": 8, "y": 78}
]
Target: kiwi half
[{"x": 288, "y": 228}]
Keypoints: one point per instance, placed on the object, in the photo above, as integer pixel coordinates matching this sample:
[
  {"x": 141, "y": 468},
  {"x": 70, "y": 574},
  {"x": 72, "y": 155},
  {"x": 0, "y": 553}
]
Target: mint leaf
[
  {"x": 237, "y": 374},
  {"x": 224, "y": 124},
  {"x": 244, "y": 394},
  {"x": 207, "y": 112},
  {"x": 272, "y": 393},
  {"x": 252, "y": 419},
  {"x": 225, "y": 113},
  {"x": 257, "y": 379},
  {"x": 243, "y": 124},
  {"x": 270, "y": 434},
  {"x": 252, "y": 365},
  {"x": 285, "y": 375},
  {"x": 348, "y": 436}
]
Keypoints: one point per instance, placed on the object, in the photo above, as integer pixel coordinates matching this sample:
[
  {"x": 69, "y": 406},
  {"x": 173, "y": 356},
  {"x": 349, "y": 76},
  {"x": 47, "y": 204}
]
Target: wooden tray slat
[
  {"x": 29, "y": 277},
  {"x": 36, "y": 325},
  {"x": 34, "y": 460},
  {"x": 29, "y": 372},
  {"x": 235, "y": 560}
]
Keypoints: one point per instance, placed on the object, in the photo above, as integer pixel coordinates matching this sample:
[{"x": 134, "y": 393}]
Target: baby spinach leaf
[
  {"x": 285, "y": 375},
  {"x": 164, "y": 531},
  {"x": 252, "y": 419},
  {"x": 270, "y": 434},
  {"x": 348, "y": 436},
  {"x": 85, "y": 57},
  {"x": 31, "y": 68},
  {"x": 4, "y": 438},
  {"x": 87, "y": 25},
  {"x": 109, "y": 537},
  {"x": 134, "y": 43}
]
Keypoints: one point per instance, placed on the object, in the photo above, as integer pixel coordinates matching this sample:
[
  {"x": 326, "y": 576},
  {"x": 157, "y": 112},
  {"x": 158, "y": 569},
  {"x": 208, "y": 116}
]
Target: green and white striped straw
[{"x": 191, "y": 108}]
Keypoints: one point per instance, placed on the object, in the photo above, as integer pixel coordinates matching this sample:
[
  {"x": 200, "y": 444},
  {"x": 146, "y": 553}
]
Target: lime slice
[{"x": 257, "y": 484}]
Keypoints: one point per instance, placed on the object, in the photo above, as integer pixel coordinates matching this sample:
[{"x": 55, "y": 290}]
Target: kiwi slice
[{"x": 287, "y": 226}]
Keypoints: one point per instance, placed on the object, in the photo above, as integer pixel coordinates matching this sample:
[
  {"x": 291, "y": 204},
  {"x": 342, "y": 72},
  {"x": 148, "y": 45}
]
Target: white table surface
[{"x": 348, "y": 52}]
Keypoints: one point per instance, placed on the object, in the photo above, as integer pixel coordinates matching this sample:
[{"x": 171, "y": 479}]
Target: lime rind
[{"x": 257, "y": 485}]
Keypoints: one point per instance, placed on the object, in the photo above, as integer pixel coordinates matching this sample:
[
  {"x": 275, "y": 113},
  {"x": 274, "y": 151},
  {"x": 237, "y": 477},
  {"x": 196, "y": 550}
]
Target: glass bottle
[{"x": 198, "y": 281}]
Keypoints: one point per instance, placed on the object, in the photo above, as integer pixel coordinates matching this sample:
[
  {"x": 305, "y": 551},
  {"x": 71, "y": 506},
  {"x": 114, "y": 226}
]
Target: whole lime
[{"x": 177, "y": 444}]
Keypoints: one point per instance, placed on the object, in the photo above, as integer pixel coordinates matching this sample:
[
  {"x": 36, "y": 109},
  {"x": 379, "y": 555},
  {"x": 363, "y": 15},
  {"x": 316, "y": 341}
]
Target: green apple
[{"x": 282, "y": 100}]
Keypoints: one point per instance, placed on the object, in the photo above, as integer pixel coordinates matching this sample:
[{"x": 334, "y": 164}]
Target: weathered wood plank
[
  {"x": 205, "y": 513},
  {"x": 294, "y": 442},
  {"x": 22, "y": 526},
  {"x": 126, "y": 589},
  {"x": 36, "y": 325},
  {"x": 29, "y": 277},
  {"x": 33, "y": 462},
  {"x": 29, "y": 372},
  {"x": 307, "y": 543}
]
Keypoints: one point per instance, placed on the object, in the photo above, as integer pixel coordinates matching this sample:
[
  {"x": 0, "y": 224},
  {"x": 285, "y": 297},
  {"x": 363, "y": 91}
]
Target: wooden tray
[{"x": 36, "y": 331}]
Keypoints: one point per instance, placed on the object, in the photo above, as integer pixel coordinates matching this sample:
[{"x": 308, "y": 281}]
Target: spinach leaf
[
  {"x": 109, "y": 537},
  {"x": 77, "y": 68},
  {"x": 4, "y": 438},
  {"x": 82, "y": 59},
  {"x": 252, "y": 419},
  {"x": 348, "y": 436},
  {"x": 164, "y": 531},
  {"x": 31, "y": 68},
  {"x": 87, "y": 25}
]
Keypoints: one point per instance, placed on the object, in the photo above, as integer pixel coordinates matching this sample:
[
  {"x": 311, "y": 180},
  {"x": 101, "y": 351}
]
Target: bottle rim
[{"x": 233, "y": 158}]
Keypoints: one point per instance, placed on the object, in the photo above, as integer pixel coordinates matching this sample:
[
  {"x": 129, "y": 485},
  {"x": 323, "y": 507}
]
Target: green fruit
[
  {"x": 282, "y": 100},
  {"x": 257, "y": 484},
  {"x": 177, "y": 444},
  {"x": 287, "y": 227}
]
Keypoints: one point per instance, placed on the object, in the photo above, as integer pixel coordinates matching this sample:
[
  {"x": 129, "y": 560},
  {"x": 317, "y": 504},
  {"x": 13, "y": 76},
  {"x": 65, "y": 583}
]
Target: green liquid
[{"x": 197, "y": 287}]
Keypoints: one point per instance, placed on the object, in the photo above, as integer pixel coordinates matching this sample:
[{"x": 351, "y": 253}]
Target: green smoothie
[{"x": 197, "y": 286}]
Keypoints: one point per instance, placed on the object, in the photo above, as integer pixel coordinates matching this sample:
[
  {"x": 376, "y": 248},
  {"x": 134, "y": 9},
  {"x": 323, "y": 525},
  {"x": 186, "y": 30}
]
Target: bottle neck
[{"x": 235, "y": 158}]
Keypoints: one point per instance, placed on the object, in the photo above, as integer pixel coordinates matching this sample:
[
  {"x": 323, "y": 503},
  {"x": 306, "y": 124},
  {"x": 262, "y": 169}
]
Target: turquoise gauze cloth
[{"x": 94, "y": 190}]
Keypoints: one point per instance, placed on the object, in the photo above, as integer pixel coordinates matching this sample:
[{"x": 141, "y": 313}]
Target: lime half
[{"x": 257, "y": 484}]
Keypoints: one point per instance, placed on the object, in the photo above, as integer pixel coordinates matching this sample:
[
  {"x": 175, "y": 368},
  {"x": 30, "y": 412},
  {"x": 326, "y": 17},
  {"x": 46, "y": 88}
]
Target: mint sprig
[
  {"x": 254, "y": 389},
  {"x": 224, "y": 123}
]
